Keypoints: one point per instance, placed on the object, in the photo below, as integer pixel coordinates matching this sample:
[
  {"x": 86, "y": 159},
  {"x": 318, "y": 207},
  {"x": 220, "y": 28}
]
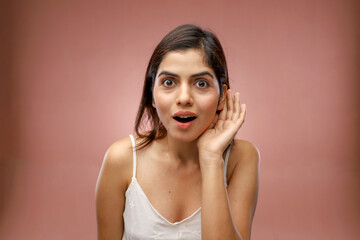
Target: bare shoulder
[
  {"x": 244, "y": 152},
  {"x": 113, "y": 180},
  {"x": 243, "y": 184},
  {"x": 119, "y": 152},
  {"x": 244, "y": 156},
  {"x": 118, "y": 162}
]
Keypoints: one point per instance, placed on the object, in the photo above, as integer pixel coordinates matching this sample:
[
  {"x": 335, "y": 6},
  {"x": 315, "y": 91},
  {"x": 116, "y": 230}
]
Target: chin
[{"x": 185, "y": 137}]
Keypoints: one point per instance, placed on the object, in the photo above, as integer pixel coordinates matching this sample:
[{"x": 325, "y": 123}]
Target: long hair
[{"x": 181, "y": 38}]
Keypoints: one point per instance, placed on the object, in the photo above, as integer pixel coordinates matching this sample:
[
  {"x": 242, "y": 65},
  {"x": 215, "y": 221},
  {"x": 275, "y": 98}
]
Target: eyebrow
[{"x": 194, "y": 75}]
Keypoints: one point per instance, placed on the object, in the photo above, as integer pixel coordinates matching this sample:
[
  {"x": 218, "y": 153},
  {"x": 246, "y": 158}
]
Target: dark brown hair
[{"x": 181, "y": 38}]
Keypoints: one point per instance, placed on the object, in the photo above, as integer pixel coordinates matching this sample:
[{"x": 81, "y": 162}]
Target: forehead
[{"x": 183, "y": 62}]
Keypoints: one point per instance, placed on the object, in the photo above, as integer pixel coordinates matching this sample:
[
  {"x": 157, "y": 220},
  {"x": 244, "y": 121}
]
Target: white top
[{"x": 143, "y": 221}]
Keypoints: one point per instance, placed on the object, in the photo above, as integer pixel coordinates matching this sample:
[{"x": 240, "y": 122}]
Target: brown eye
[
  {"x": 167, "y": 82},
  {"x": 202, "y": 84}
]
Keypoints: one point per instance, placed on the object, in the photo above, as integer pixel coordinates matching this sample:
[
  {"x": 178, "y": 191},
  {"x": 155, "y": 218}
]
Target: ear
[
  {"x": 153, "y": 104},
  {"x": 222, "y": 99}
]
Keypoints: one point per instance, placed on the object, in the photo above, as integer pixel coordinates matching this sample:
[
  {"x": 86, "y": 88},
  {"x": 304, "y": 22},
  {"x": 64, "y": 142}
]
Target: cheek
[
  {"x": 160, "y": 102},
  {"x": 210, "y": 104},
  {"x": 209, "y": 107}
]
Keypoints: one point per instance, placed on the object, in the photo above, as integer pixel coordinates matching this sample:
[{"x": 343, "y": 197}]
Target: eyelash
[
  {"x": 203, "y": 81},
  {"x": 163, "y": 82}
]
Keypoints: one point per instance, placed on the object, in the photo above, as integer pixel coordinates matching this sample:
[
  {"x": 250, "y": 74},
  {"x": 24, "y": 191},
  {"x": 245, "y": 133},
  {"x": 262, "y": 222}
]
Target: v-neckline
[{"x": 134, "y": 180}]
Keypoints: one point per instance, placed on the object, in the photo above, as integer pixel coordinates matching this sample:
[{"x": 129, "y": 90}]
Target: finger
[
  {"x": 237, "y": 109},
  {"x": 243, "y": 113},
  {"x": 230, "y": 104}
]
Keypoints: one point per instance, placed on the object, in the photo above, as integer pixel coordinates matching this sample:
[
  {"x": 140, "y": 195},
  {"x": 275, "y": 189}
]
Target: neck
[{"x": 180, "y": 151}]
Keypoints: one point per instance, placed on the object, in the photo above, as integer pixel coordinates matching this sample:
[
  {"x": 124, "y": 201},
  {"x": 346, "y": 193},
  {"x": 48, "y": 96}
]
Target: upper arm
[
  {"x": 243, "y": 186},
  {"x": 110, "y": 190}
]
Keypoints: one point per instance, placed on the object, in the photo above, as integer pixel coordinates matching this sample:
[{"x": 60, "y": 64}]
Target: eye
[
  {"x": 202, "y": 84},
  {"x": 167, "y": 82}
]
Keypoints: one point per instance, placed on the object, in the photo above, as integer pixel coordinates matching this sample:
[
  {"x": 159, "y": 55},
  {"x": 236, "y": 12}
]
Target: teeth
[{"x": 184, "y": 116}]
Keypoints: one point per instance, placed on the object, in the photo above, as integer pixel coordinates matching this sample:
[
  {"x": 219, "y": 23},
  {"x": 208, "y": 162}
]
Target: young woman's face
[{"x": 186, "y": 94}]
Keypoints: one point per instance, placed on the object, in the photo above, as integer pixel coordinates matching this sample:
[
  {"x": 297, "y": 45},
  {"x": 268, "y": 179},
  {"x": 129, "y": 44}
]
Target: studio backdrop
[{"x": 71, "y": 80}]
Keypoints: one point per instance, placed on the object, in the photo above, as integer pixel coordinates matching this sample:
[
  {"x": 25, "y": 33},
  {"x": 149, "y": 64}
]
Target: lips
[{"x": 184, "y": 118}]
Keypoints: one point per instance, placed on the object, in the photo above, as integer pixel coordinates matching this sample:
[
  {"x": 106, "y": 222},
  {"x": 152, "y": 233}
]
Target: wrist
[
  {"x": 210, "y": 154},
  {"x": 210, "y": 160}
]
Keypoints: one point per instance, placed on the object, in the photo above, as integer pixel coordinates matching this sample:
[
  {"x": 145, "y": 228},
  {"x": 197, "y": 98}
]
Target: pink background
[{"x": 71, "y": 77}]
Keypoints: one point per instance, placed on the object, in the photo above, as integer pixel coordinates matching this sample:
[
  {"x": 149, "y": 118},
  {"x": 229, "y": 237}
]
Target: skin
[
  {"x": 184, "y": 170},
  {"x": 179, "y": 87}
]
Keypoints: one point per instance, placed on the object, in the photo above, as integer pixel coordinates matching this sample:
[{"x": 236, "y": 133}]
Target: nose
[{"x": 184, "y": 97}]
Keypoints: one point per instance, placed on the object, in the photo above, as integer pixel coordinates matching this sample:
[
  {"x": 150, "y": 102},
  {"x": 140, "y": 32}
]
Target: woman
[{"x": 186, "y": 178}]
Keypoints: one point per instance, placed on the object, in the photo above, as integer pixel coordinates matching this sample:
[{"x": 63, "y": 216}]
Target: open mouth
[{"x": 184, "y": 119}]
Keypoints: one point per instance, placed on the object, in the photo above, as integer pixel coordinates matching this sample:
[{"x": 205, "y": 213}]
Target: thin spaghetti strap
[
  {"x": 226, "y": 162},
  {"x": 134, "y": 154}
]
